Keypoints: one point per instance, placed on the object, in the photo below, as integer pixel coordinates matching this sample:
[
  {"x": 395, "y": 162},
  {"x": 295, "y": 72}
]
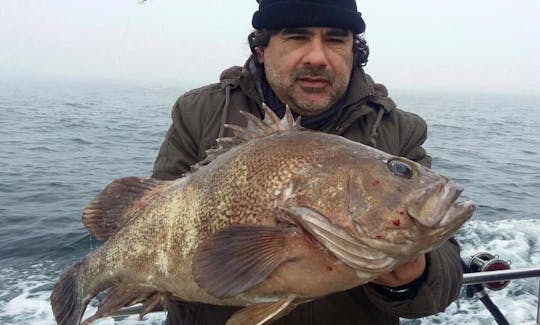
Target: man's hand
[{"x": 403, "y": 274}]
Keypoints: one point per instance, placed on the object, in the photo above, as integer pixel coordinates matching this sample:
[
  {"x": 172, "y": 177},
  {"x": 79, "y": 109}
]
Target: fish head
[
  {"x": 403, "y": 208},
  {"x": 373, "y": 210}
]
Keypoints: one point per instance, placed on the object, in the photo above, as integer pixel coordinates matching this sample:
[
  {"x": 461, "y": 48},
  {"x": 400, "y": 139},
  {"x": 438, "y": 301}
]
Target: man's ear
[{"x": 260, "y": 54}]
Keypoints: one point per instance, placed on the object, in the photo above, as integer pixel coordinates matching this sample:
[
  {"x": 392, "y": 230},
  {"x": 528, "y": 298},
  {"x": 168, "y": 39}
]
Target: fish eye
[{"x": 400, "y": 168}]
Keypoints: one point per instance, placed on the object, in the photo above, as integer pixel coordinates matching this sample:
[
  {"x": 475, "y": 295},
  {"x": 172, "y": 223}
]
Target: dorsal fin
[
  {"x": 256, "y": 128},
  {"x": 105, "y": 214},
  {"x": 271, "y": 122}
]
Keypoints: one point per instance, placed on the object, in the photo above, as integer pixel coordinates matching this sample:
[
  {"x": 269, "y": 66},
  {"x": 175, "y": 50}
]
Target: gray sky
[{"x": 480, "y": 45}]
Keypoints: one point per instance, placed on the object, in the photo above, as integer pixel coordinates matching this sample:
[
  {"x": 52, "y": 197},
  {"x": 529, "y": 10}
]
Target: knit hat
[{"x": 277, "y": 14}]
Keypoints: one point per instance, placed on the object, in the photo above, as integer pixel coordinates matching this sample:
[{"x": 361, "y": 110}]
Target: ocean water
[{"x": 60, "y": 144}]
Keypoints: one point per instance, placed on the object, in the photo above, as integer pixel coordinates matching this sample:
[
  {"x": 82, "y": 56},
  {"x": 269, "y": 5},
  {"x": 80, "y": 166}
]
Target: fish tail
[{"x": 67, "y": 298}]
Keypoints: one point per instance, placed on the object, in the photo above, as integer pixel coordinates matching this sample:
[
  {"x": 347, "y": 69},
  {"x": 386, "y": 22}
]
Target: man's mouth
[{"x": 313, "y": 82}]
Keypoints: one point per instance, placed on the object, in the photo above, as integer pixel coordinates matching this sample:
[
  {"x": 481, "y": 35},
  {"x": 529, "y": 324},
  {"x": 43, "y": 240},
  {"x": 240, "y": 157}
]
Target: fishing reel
[{"x": 486, "y": 262}]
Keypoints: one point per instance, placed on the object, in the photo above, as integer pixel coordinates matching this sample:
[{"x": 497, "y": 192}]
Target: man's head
[{"x": 308, "y": 49}]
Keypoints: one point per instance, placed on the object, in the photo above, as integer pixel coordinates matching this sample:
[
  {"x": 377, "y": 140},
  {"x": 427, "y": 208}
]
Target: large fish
[{"x": 276, "y": 216}]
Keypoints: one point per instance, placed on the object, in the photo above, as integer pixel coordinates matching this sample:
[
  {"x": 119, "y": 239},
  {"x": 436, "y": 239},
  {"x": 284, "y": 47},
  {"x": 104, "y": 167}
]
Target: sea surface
[{"x": 60, "y": 144}]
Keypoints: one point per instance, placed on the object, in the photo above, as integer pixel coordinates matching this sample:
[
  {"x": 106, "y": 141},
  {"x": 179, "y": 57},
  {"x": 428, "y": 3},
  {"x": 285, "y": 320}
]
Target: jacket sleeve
[
  {"x": 179, "y": 150},
  {"x": 438, "y": 289}
]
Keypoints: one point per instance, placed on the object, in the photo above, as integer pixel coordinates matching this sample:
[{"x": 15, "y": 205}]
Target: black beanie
[{"x": 277, "y": 14}]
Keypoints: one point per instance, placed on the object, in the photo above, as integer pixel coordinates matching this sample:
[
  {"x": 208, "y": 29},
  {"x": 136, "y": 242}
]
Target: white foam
[
  {"x": 30, "y": 305},
  {"x": 517, "y": 241}
]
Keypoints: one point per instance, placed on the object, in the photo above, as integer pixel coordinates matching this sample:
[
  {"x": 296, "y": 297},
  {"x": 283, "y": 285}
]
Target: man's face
[{"x": 308, "y": 68}]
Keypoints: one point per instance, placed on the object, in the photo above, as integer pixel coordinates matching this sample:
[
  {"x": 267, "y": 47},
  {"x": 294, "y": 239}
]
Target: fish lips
[
  {"x": 436, "y": 205},
  {"x": 450, "y": 215},
  {"x": 458, "y": 213},
  {"x": 436, "y": 213}
]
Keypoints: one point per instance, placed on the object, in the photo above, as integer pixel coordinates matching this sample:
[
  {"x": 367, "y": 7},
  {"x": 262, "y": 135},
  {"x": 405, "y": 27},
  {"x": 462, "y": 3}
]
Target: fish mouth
[
  {"x": 433, "y": 216},
  {"x": 440, "y": 216},
  {"x": 456, "y": 215},
  {"x": 437, "y": 205}
]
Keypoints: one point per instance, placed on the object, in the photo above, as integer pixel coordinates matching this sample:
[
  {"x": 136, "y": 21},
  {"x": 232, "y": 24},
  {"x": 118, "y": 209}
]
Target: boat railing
[{"x": 477, "y": 282}]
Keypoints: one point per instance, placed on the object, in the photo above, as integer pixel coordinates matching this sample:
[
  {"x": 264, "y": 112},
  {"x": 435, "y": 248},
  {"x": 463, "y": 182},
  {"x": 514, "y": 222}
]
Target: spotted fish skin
[{"x": 276, "y": 216}]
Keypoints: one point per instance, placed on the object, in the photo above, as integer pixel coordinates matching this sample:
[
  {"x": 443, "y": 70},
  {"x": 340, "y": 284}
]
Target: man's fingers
[{"x": 403, "y": 274}]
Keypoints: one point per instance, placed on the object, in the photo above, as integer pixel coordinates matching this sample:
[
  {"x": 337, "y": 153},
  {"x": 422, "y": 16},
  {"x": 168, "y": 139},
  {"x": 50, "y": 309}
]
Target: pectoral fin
[
  {"x": 239, "y": 257},
  {"x": 263, "y": 313}
]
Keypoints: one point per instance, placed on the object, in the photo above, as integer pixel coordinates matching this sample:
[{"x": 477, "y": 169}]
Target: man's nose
[{"x": 316, "y": 54}]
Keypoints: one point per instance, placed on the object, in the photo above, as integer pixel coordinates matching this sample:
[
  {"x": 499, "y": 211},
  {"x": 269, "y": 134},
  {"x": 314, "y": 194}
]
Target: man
[{"x": 309, "y": 55}]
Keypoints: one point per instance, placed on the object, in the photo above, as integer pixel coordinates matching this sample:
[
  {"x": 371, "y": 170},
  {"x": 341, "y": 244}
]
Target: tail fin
[{"x": 67, "y": 299}]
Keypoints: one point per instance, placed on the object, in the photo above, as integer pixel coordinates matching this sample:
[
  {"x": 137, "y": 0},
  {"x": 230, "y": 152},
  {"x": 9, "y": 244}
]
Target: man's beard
[{"x": 311, "y": 107}]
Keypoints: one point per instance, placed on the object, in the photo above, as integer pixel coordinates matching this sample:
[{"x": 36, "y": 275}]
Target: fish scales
[{"x": 283, "y": 216}]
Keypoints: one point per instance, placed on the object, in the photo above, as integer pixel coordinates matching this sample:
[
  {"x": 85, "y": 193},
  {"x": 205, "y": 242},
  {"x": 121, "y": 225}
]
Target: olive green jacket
[{"x": 370, "y": 117}]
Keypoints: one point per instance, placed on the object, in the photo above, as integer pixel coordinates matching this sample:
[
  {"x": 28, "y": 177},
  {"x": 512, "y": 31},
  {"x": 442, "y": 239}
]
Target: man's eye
[
  {"x": 336, "y": 40},
  {"x": 297, "y": 37}
]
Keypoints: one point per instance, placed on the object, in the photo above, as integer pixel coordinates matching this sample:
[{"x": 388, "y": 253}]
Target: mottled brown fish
[{"x": 276, "y": 216}]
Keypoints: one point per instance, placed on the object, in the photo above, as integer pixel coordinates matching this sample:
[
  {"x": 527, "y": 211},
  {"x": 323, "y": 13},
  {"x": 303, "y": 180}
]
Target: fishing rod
[{"x": 487, "y": 271}]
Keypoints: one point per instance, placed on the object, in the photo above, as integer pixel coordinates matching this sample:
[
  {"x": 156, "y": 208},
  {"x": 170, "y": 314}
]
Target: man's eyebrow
[
  {"x": 296, "y": 31},
  {"x": 338, "y": 32}
]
